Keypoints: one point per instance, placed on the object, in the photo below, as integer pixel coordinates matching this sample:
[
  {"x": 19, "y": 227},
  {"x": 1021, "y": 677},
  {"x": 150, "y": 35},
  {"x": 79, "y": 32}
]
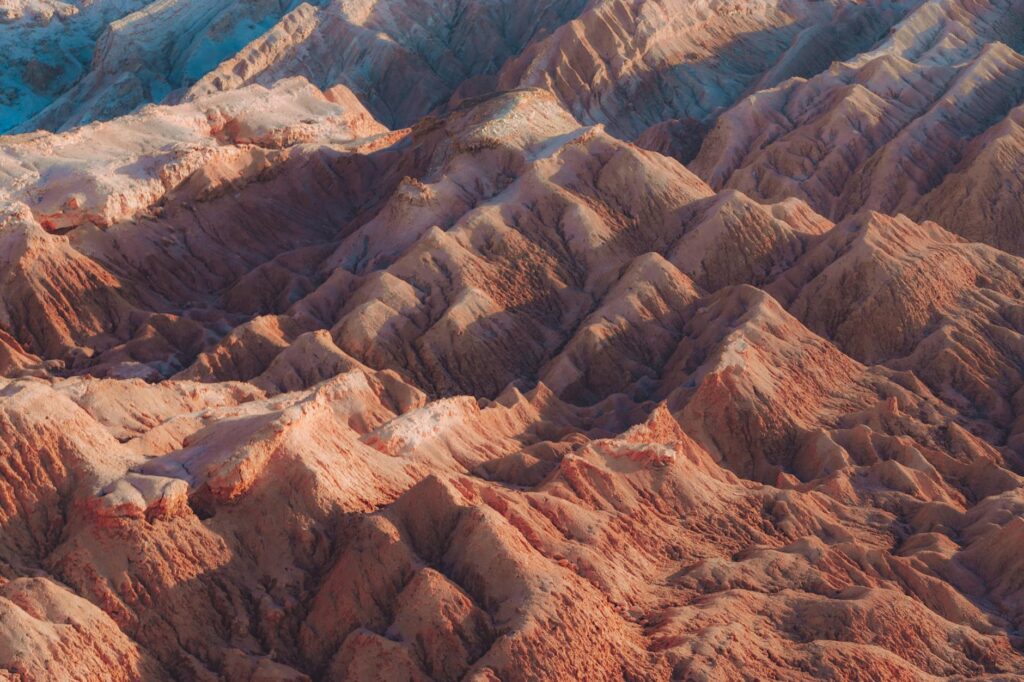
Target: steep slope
[
  {"x": 46, "y": 47},
  {"x": 635, "y": 65},
  {"x": 899, "y": 129},
  {"x": 459, "y": 284},
  {"x": 402, "y": 58},
  {"x": 679, "y": 60},
  {"x": 917, "y": 297},
  {"x": 81, "y": 281},
  {"x": 146, "y": 51},
  {"x": 286, "y": 394},
  {"x": 981, "y": 197},
  {"x": 469, "y": 572},
  {"x": 111, "y": 172}
]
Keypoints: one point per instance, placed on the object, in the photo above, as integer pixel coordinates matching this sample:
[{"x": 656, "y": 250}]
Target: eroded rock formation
[{"x": 398, "y": 343}]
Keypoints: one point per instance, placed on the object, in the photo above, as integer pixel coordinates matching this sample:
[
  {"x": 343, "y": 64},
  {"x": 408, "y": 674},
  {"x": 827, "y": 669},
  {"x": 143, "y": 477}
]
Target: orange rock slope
[{"x": 288, "y": 392}]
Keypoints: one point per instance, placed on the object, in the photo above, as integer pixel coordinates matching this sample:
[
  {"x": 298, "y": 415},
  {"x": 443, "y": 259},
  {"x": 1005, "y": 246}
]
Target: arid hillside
[{"x": 482, "y": 340}]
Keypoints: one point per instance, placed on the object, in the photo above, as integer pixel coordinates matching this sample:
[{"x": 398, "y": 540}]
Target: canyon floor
[{"x": 500, "y": 340}]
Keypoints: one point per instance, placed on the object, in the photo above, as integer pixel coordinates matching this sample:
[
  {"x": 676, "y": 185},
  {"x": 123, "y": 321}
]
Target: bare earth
[{"x": 511, "y": 340}]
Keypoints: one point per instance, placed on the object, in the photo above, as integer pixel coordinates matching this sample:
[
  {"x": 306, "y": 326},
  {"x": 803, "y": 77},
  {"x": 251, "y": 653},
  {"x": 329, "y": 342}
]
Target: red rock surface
[{"x": 444, "y": 366}]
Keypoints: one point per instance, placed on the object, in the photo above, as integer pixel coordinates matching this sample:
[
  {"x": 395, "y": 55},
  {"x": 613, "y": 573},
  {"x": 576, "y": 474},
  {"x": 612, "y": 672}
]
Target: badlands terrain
[{"x": 499, "y": 340}]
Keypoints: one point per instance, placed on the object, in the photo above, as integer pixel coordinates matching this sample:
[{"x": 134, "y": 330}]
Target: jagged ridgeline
[{"x": 488, "y": 340}]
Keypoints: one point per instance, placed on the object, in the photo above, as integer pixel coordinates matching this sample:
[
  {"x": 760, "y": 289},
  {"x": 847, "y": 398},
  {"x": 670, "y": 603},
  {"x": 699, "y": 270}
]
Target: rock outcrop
[{"x": 398, "y": 342}]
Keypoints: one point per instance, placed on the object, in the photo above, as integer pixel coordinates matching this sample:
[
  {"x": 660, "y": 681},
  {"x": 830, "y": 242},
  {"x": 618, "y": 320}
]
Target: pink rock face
[{"x": 400, "y": 344}]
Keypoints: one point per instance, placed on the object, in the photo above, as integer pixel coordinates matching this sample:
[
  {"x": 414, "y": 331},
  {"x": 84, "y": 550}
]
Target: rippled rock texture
[{"x": 488, "y": 340}]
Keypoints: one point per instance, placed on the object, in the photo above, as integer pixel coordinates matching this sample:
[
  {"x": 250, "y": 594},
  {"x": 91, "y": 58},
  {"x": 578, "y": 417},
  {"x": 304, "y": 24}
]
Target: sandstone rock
[{"x": 497, "y": 394}]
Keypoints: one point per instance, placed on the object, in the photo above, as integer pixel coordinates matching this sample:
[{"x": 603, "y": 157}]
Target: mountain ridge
[{"x": 609, "y": 340}]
